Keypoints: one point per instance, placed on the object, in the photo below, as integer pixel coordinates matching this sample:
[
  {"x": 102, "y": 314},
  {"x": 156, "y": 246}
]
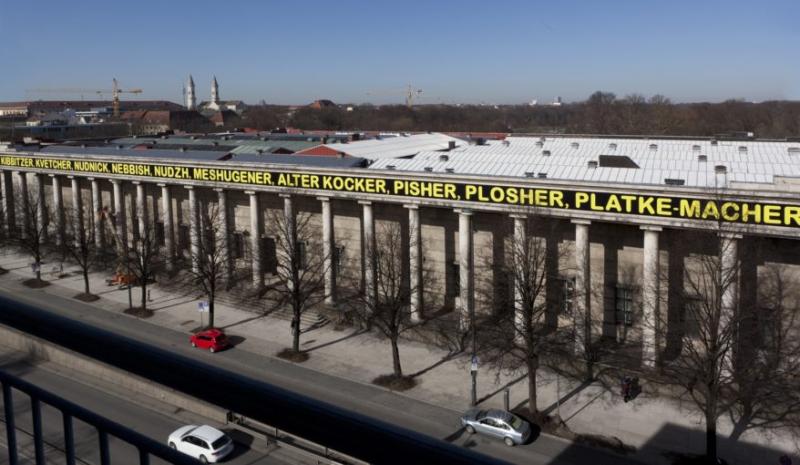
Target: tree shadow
[
  {"x": 574, "y": 392},
  {"x": 445, "y": 359},
  {"x": 241, "y": 322},
  {"x": 503, "y": 387},
  {"x": 335, "y": 341},
  {"x": 156, "y": 309}
]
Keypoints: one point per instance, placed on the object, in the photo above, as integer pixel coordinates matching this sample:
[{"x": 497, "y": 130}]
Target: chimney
[
  {"x": 444, "y": 158},
  {"x": 702, "y": 158},
  {"x": 592, "y": 164},
  {"x": 720, "y": 169},
  {"x": 451, "y": 145}
]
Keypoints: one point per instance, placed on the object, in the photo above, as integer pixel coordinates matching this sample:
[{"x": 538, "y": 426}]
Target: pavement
[{"x": 343, "y": 364}]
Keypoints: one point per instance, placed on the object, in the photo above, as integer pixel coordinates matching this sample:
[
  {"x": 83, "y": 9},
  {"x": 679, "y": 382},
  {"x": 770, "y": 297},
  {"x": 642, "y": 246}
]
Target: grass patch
[
  {"x": 296, "y": 357},
  {"x": 395, "y": 383},
  {"x": 86, "y": 297},
  {"x": 34, "y": 283},
  {"x": 139, "y": 312}
]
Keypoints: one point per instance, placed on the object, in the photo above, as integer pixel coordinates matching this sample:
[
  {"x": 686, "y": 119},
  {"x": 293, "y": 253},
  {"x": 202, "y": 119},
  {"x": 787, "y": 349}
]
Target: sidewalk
[{"x": 652, "y": 425}]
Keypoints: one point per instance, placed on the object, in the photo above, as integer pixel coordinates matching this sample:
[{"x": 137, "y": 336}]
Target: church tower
[
  {"x": 214, "y": 93},
  {"x": 191, "y": 99}
]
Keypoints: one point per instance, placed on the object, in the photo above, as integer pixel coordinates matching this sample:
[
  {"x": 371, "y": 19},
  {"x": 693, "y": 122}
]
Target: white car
[{"x": 204, "y": 443}]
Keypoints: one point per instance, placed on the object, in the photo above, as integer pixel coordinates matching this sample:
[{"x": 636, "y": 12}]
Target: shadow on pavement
[{"x": 343, "y": 338}]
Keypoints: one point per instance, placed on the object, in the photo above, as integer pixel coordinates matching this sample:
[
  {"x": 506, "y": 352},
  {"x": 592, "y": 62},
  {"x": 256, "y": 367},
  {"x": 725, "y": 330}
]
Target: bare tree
[
  {"x": 300, "y": 268},
  {"x": 31, "y": 236},
  {"x": 766, "y": 394},
  {"x": 210, "y": 258},
  {"x": 80, "y": 246},
  {"x": 388, "y": 310},
  {"x": 711, "y": 318},
  {"x": 138, "y": 262},
  {"x": 519, "y": 331}
]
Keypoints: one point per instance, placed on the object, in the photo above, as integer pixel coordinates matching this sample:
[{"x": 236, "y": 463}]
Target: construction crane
[
  {"x": 409, "y": 92},
  {"x": 115, "y": 93}
]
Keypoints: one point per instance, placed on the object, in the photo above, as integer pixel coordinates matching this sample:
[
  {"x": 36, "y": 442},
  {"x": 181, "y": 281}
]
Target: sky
[{"x": 293, "y": 52}]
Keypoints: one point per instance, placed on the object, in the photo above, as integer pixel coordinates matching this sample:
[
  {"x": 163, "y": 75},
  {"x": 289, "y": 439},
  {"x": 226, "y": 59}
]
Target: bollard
[{"x": 507, "y": 399}]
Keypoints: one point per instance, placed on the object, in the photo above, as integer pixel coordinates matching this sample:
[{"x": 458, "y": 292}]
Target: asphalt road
[
  {"x": 120, "y": 406},
  {"x": 409, "y": 413}
]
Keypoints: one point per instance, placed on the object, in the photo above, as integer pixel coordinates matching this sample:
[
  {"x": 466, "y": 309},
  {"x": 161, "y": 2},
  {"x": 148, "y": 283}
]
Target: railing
[
  {"x": 145, "y": 446},
  {"x": 350, "y": 433}
]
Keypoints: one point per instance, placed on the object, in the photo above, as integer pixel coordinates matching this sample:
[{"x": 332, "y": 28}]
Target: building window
[
  {"x": 160, "y": 237},
  {"x": 338, "y": 259},
  {"x": 183, "y": 232},
  {"x": 768, "y": 328},
  {"x": 623, "y": 303},
  {"x": 566, "y": 295},
  {"x": 269, "y": 255},
  {"x": 238, "y": 245},
  {"x": 691, "y": 316},
  {"x": 300, "y": 259}
]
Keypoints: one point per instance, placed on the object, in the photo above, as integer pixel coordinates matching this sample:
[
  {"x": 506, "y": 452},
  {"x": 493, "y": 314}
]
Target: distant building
[
  {"x": 216, "y": 104},
  {"x": 320, "y": 104},
  {"x": 191, "y": 98}
]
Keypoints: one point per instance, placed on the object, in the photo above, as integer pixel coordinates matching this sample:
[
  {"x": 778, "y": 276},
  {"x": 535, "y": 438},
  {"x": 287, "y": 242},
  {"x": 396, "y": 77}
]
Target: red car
[{"x": 212, "y": 339}]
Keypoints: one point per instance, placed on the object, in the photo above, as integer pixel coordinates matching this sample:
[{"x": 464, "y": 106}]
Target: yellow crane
[{"x": 115, "y": 93}]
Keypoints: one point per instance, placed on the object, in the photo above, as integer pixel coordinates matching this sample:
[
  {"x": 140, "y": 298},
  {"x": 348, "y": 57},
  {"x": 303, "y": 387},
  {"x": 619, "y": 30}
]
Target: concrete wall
[{"x": 85, "y": 366}]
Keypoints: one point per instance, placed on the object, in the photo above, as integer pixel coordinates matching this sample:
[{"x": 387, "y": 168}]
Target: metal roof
[
  {"x": 568, "y": 158},
  {"x": 201, "y": 155},
  {"x": 305, "y": 160},
  {"x": 127, "y": 152},
  {"x": 404, "y": 145}
]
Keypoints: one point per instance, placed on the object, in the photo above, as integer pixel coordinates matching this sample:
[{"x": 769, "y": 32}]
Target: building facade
[{"x": 617, "y": 252}]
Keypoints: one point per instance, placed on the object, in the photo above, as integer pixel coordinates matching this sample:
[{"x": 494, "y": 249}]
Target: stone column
[
  {"x": 24, "y": 205},
  {"x": 7, "y": 187},
  {"x": 194, "y": 230},
  {"x": 97, "y": 206},
  {"x": 41, "y": 207},
  {"x": 119, "y": 214},
  {"x": 465, "y": 268},
  {"x": 650, "y": 296},
  {"x": 368, "y": 233},
  {"x": 328, "y": 249},
  {"x": 255, "y": 238},
  {"x": 77, "y": 211},
  {"x": 169, "y": 233},
  {"x": 415, "y": 262},
  {"x": 223, "y": 238},
  {"x": 583, "y": 269},
  {"x": 141, "y": 211},
  {"x": 729, "y": 281},
  {"x": 58, "y": 209},
  {"x": 518, "y": 255}
]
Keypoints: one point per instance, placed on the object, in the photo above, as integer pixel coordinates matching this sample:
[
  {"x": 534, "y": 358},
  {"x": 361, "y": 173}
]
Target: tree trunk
[
  {"x": 533, "y": 366},
  {"x": 740, "y": 426},
  {"x": 86, "y": 280},
  {"x": 144, "y": 294},
  {"x": 398, "y": 369},
  {"x": 296, "y": 331},
  {"x": 711, "y": 436},
  {"x": 211, "y": 310}
]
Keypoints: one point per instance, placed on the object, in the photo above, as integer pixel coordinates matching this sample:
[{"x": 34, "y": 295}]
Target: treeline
[{"x": 601, "y": 113}]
